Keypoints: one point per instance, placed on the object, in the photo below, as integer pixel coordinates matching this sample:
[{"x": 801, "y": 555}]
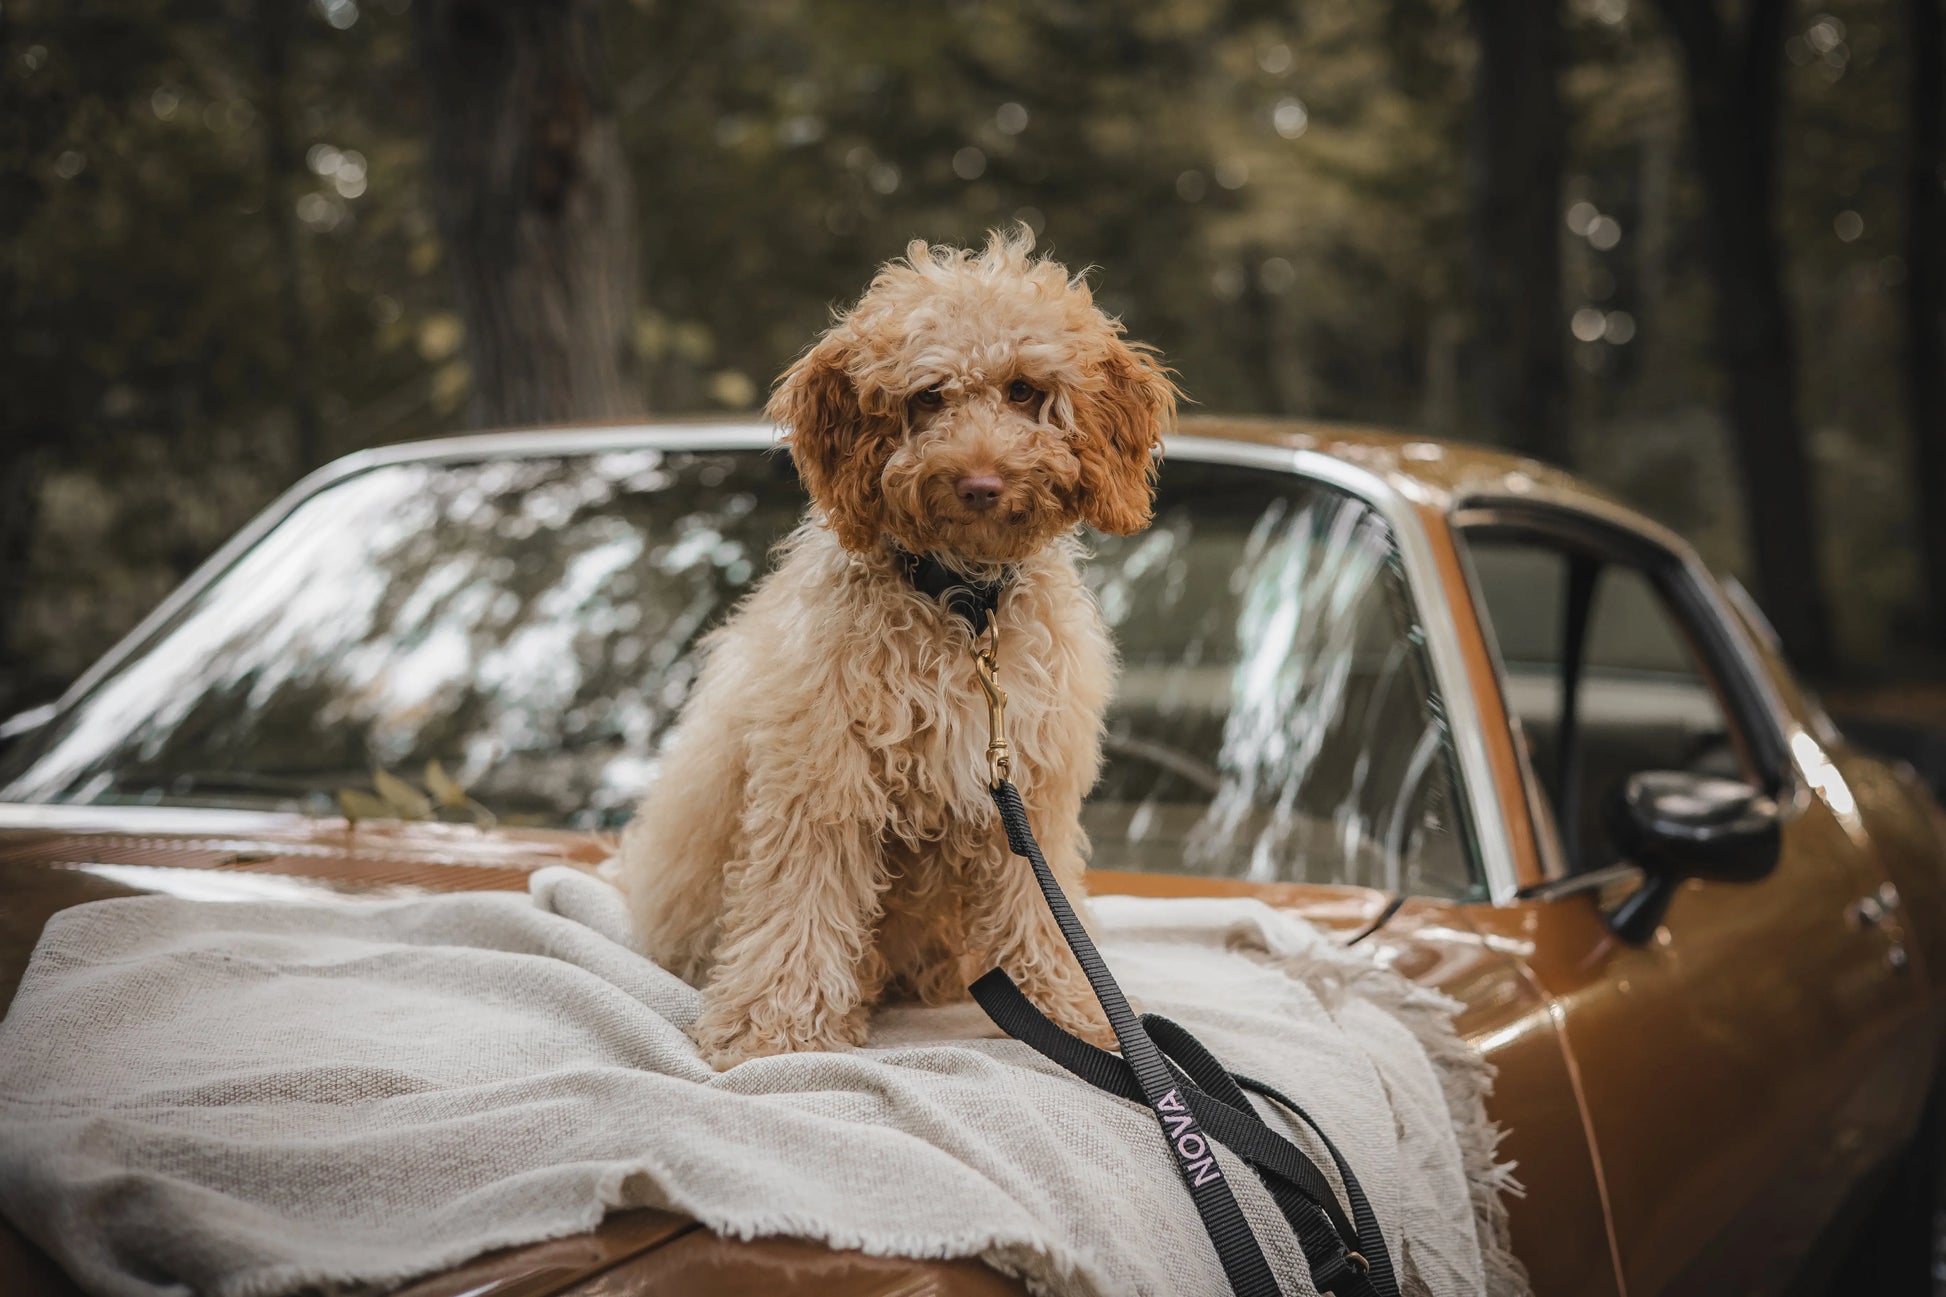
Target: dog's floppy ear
[
  {"x": 839, "y": 449},
  {"x": 1121, "y": 412}
]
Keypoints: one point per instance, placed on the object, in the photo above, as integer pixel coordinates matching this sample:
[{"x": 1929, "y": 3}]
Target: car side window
[
  {"x": 1277, "y": 719},
  {"x": 1603, "y": 679}
]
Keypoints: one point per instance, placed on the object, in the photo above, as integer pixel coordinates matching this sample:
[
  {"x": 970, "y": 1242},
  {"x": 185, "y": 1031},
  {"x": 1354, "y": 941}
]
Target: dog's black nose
[{"x": 979, "y": 491}]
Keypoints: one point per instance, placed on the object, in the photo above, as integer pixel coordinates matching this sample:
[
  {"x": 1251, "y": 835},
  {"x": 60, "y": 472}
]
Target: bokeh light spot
[
  {"x": 800, "y": 130},
  {"x": 733, "y": 388},
  {"x": 1825, "y": 33},
  {"x": 1290, "y": 118},
  {"x": 339, "y": 13},
  {"x": 323, "y": 159}
]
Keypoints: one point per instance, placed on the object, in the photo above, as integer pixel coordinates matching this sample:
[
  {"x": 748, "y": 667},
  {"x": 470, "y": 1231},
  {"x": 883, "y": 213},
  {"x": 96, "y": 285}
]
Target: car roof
[
  {"x": 1452, "y": 472},
  {"x": 1447, "y": 474}
]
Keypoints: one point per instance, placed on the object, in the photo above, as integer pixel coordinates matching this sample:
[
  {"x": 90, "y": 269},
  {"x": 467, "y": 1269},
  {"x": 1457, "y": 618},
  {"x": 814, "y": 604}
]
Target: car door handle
[
  {"x": 1874, "y": 908},
  {"x": 1874, "y": 912},
  {"x": 1866, "y": 912}
]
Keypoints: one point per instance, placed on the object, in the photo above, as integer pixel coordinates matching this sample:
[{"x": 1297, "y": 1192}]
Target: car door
[{"x": 1734, "y": 1067}]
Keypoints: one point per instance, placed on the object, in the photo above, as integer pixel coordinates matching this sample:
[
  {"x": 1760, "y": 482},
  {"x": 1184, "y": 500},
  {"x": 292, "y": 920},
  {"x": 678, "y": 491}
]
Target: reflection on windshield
[
  {"x": 510, "y": 639},
  {"x": 525, "y": 623}
]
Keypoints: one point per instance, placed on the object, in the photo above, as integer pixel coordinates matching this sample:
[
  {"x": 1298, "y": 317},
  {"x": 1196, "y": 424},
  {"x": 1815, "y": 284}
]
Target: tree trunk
[
  {"x": 20, "y": 512},
  {"x": 1925, "y": 297},
  {"x": 281, "y": 167},
  {"x": 34, "y": 415},
  {"x": 1517, "y": 149},
  {"x": 1734, "y": 89},
  {"x": 531, "y": 191},
  {"x": 1661, "y": 137}
]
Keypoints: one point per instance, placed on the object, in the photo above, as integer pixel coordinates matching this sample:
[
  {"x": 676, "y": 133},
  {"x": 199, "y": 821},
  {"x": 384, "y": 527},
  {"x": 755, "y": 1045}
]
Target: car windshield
[{"x": 506, "y": 639}]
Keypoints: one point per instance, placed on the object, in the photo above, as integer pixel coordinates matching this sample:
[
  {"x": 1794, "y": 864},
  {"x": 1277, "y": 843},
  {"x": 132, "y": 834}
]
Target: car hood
[{"x": 55, "y": 857}]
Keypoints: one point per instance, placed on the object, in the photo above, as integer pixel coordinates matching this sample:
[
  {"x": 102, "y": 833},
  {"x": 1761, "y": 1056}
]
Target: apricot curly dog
[{"x": 821, "y": 833}]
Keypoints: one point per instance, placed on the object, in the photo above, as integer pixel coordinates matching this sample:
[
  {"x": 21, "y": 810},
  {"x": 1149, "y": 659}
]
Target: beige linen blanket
[{"x": 247, "y": 1099}]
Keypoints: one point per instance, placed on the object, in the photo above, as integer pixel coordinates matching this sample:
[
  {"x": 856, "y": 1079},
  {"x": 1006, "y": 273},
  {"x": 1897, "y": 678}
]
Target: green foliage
[
  {"x": 1648, "y": 424},
  {"x": 1274, "y": 194}
]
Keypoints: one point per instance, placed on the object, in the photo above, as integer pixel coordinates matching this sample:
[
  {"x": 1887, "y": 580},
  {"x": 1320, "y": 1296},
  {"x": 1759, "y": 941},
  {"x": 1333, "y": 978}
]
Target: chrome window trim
[
  {"x": 1540, "y": 816},
  {"x": 1754, "y": 618},
  {"x": 1447, "y": 658},
  {"x": 1557, "y": 889}
]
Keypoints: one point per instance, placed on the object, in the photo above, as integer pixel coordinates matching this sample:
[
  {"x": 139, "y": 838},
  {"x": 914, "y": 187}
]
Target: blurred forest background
[{"x": 1689, "y": 248}]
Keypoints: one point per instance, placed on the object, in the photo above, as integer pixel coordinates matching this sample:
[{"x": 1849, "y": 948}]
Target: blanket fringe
[{"x": 1466, "y": 1077}]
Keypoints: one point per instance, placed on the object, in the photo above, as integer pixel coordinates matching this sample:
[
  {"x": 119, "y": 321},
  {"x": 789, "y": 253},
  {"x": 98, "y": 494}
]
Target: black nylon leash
[
  {"x": 1243, "y": 1260},
  {"x": 1193, "y": 1097}
]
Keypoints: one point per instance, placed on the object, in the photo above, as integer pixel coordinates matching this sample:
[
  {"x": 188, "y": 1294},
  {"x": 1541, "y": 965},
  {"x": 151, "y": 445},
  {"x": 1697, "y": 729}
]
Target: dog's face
[{"x": 975, "y": 406}]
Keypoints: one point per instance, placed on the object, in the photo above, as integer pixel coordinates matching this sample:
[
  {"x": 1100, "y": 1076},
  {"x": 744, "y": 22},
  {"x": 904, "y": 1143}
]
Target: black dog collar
[{"x": 975, "y": 602}]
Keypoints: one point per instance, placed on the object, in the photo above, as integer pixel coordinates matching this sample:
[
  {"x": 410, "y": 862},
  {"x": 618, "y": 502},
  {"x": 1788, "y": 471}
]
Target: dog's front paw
[
  {"x": 725, "y": 1049},
  {"x": 726, "y": 1038}
]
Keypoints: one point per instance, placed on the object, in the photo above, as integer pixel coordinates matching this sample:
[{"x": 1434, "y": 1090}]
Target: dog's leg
[
  {"x": 1011, "y": 921},
  {"x": 799, "y": 904},
  {"x": 673, "y": 850}
]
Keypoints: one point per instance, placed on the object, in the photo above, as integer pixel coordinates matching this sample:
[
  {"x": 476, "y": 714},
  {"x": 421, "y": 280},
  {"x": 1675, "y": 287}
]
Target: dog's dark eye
[
  {"x": 930, "y": 398},
  {"x": 1020, "y": 391}
]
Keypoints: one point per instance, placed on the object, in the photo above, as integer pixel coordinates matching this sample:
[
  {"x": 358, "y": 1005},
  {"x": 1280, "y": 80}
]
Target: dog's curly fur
[{"x": 820, "y": 833}]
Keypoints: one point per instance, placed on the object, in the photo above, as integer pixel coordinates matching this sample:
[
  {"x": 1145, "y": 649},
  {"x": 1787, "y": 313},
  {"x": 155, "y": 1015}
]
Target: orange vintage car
[{"x": 1450, "y": 705}]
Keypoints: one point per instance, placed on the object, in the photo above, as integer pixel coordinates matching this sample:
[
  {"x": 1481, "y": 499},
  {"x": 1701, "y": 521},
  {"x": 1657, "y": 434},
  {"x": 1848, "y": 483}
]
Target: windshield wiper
[{"x": 180, "y": 783}]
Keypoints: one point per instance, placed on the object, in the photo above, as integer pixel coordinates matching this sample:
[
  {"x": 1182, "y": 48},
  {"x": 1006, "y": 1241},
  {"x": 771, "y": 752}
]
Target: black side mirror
[{"x": 1678, "y": 825}]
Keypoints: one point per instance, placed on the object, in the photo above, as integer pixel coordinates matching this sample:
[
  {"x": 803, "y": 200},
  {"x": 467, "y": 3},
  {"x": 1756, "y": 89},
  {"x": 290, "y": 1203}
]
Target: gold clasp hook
[{"x": 986, "y": 662}]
